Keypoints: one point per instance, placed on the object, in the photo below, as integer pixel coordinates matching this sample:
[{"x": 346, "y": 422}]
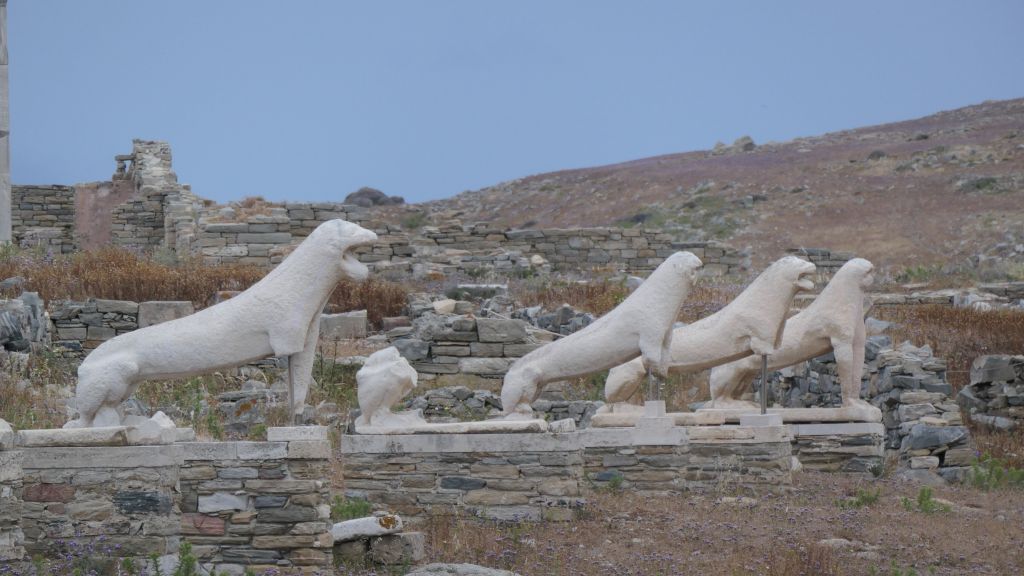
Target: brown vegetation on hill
[
  {"x": 939, "y": 189},
  {"x": 121, "y": 274}
]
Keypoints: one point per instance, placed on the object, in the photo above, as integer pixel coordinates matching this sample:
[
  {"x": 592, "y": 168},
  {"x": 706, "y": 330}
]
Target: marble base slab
[
  {"x": 60, "y": 437},
  {"x": 479, "y": 427},
  {"x": 841, "y": 414},
  {"x": 625, "y": 419}
]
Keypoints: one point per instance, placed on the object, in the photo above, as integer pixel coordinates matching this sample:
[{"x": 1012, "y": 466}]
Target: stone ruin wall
[
  {"x": 144, "y": 206},
  {"x": 44, "y": 216}
]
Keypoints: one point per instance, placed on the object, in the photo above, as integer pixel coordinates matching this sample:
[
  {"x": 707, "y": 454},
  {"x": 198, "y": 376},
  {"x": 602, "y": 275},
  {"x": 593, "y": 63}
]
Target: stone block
[
  {"x": 202, "y": 525},
  {"x": 222, "y": 501},
  {"x": 156, "y": 312},
  {"x": 309, "y": 450},
  {"x": 262, "y": 450},
  {"x": 7, "y": 435},
  {"x": 490, "y": 349},
  {"x": 500, "y": 330},
  {"x": 282, "y": 486},
  {"x": 291, "y": 514},
  {"x": 264, "y": 238},
  {"x": 398, "y": 549},
  {"x": 344, "y": 326},
  {"x": 925, "y": 462},
  {"x": 484, "y": 365},
  {"x": 117, "y": 307},
  {"x": 62, "y": 437},
  {"x": 100, "y": 333},
  {"x": 289, "y": 433}
]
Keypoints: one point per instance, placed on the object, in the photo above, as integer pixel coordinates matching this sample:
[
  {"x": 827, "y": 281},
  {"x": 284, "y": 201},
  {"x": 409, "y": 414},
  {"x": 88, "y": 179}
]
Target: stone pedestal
[
  {"x": 839, "y": 447},
  {"x": 499, "y": 476},
  {"x": 259, "y": 505},
  {"x": 11, "y": 535},
  {"x": 120, "y": 500}
]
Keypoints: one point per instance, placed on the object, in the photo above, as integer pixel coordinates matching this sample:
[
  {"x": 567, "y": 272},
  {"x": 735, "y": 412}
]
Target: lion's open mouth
[
  {"x": 350, "y": 261},
  {"x": 353, "y": 267},
  {"x": 806, "y": 281}
]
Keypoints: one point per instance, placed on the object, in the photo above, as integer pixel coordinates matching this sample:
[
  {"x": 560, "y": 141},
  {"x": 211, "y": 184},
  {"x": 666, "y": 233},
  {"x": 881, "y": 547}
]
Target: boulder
[
  {"x": 367, "y": 197},
  {"x": 401, "y": 548},
  {"x": 992, "y": 368},
  {"x": 923, "y": 437}
]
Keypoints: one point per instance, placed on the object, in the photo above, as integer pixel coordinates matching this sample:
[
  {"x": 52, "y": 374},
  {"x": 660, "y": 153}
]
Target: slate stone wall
[
  {"x": 76, "y": 327},
  {"x": 258, "y": 504},
  {"x": 118, "y": 500},
  {"x": 12, "y": 537},
  {"x": 44, "y": 216}
]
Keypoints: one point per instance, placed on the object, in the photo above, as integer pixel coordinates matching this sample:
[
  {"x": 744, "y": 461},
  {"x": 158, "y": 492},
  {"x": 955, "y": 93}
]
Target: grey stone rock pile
[{"x": 995, "y": 396}]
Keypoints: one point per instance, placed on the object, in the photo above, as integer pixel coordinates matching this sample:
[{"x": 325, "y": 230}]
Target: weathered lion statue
[
  {"x": 382, "y": 382},
  {"x": 833, "y": 322},
  {"x": 751, "y": 324},
  {"x": 639, "y": 326},
  {"x": 277, "y": 316}
]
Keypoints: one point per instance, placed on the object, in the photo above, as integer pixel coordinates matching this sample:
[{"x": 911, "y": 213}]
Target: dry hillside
[{"x": 939, "y": 189}]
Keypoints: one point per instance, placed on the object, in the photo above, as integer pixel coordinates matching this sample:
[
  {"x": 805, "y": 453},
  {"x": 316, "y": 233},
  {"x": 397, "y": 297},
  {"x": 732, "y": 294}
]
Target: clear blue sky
[{"x": 311, "y": 99}]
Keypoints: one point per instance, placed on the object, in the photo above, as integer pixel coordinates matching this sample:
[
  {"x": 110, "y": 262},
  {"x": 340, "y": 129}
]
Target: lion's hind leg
[{"x": 103, "y": 385}]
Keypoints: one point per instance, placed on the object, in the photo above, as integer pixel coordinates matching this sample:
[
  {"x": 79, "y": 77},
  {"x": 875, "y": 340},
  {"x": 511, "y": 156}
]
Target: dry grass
[
  {"x": 695, "y": 532},
  {"x": 959, "y": 335},
  {"x": 120, "y": 274}
]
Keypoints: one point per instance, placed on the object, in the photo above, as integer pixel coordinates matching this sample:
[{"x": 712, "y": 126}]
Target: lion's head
[
  {"x": 684, "y": 264},
  {"x": 795, "y": 271},
  {"x": 859, "y": 270},
  {"x": 345, "y": 237}
]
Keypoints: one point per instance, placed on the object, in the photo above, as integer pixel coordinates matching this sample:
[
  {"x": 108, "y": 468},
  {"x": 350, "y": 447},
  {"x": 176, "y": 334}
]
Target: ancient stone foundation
[
  {"x": 257, "y": 505},
  {"x": 540, "y": 476}
]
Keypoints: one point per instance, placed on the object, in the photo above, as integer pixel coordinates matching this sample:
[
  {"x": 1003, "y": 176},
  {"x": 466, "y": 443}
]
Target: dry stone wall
[
  {"x": 118, "y": 501},
  {"x": 995, "y": 396},
  {"x": 78, "y": 327},
  {"x": 12, "y": 537},
  {"x": 258, "y": 504},
  {"x": 920, "y": 420},
  {"x": 539, "y": 476},
  {"x": 241, "y": 505},
  {"x": 44, "y": 216}
]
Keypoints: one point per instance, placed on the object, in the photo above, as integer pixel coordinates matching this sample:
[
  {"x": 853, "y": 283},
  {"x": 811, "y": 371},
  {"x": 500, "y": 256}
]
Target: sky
[{"x": 312, "y": 99}]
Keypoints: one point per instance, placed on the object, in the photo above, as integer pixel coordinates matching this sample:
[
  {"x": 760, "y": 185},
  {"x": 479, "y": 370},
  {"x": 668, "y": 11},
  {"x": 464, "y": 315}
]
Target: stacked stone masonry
[
  {"x": 12, "y": 537},
  {"x": 44, "y": 216},
  {"x": 460, "y": 349},
  {"x": 256, "y": 505},
  {"x": 921, "y": 422},
  {"x": 118, "y": 500},
  {"x": 995, "y": 395},
  {"x": 539, "y": 476},
  {"x": 80, "y": 326}
]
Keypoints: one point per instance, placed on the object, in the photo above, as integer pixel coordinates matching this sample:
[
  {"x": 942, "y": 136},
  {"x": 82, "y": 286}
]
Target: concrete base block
[{"x": 760, "y": 420}]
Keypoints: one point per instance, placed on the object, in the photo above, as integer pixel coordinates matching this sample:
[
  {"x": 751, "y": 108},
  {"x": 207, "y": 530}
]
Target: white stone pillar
[{"x": 5, "y": 130}]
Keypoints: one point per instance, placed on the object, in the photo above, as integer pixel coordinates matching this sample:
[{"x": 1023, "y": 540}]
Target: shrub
[
  {"x": 988, "y": 473},
  {"x": 349, "y": 508},
  {"x": 863, "y": 498},
  {"x": 925, "y": 502}
]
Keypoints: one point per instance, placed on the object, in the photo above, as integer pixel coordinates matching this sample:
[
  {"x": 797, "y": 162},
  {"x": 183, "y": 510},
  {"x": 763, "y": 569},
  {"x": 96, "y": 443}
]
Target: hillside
[{"x": 936, "y": 190}]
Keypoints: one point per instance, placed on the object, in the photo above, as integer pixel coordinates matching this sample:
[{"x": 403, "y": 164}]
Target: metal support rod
[
  {"x": 291, "y": 396},
  {"x": 764, "y": 383},
  {"x": 653, "y": 386}
]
